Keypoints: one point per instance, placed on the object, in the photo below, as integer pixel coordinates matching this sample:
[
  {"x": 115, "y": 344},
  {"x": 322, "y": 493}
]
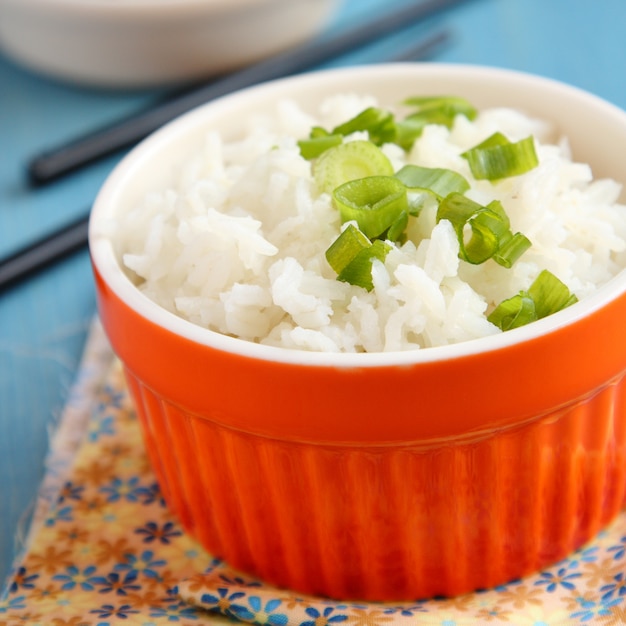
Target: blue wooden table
[{"x": 44, "y": 321}]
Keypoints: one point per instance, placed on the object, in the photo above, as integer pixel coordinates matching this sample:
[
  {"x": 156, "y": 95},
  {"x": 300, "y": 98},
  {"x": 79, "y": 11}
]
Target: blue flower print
[
  {"x": 224, "y": 601},
  {"x": 13, "y": 604},
  {"x": 586, "y": 555},
  {"x": 153, "y": 532},
  {"x": 151, "y": 494},
  {"x": 75, "y": 577},
  {"x": 618, "y": 587},
  {"x": 99, "y": 428},
  {"x": 324, "y": 618},
  {"x": 561, "y": 578},
  {"x": 145, "y": 564},
  {"x": 239, "y": 581},
  {"x": 591, "y": 610},
  {"x": 113, "y": 398},
  {"x": 108, "y": 610},
  {"x": 259, "y": 614},
  {"x": 119, "y": 489},
  {"x": 405, "y": 611},
  {"x": 70, "y": 491},
  {"x": 619, "y": 550},
  {"x": 341, "y": 607},
  {"x": 114, "y": 583},
  {"x": 174, "y": 612},
  {"x": 23, "y": 581},
  {"x": 213, "y": 565},
  {"x": 62, "y": 514}
]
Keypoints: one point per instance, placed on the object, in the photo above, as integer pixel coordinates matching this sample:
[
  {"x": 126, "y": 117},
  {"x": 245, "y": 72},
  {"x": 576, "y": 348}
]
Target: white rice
[{"x": 237, "y": 246}]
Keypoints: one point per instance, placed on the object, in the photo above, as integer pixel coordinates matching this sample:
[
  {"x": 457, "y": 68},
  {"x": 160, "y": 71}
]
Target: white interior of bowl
[{"x": 595, "y": 128}]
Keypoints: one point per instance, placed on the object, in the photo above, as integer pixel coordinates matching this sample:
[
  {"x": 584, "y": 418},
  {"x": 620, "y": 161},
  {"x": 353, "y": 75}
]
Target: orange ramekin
[{"x": 379, "y": 476}]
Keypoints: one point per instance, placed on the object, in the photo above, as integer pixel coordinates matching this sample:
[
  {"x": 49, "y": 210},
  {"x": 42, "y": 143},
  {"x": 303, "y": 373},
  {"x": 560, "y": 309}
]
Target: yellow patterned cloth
[{"x": 104, "y": 549}]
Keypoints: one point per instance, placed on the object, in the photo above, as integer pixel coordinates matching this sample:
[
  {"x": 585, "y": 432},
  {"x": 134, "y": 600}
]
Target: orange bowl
[{"x": 380, "y": 476}]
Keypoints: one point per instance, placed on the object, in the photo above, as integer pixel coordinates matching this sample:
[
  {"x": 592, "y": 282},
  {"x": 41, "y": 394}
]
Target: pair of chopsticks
[{"x": 124, "y": 134}]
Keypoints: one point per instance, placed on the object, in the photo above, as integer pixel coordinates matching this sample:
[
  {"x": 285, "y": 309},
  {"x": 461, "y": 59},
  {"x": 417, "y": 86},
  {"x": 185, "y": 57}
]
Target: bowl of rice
[
  {"x": 372, "y": 323},
  {"x": 145, "y": 43}
]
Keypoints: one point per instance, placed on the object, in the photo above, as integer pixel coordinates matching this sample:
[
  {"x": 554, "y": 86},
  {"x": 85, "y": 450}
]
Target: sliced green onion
[
  {"x": 396, "y": 230},
  {"x": 349, "y": 243},
  {"x": 502, "y": 160},
  {"x": 497, "y": 139},
  {"x": 351, "y": 256},
  {"x": 514, "y": 312},
  {"x": 350, "y": 161},
  {"x": 550, "y": 294},
  {"x": 436, "y": 181},
  {"x": 408, "y": 130},
  {"x": 359, "y": 270},
  {"x": 382, "y": 127},
  {"x": 545, "y": 296},
  {"x": 511, "y": 249},
  {"x": 487, "y": 227},
  {"x": 430, "y": 110},
  {"x": 483, "y": 231},
  {"x": 450, "y": 105},
  {"x": 379, "y": 124},
  {"x": 314, "y": 146},
  {"x": 374, "y": 203}
]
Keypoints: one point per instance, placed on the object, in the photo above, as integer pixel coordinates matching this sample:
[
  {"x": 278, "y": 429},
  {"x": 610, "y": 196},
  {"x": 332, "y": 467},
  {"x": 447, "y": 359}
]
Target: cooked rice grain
[{"x": 237, "y": 246}]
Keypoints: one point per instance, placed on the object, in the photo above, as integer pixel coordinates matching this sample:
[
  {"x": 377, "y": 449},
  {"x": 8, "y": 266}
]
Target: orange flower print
[
  {"x": 521, "y": 596},
  {"x": 617, "y": 617},
  {"x": 49, "y": 592},
  {"x": 72, "y": 535},
  {"x": 77, "y": 620},
  {"x": 49, "y": 560},
  {"x": 601, "y": 573},
  {"x": 164, "y": 580},
  {"x": 25, "y": 618},
  {"x": 91, "y": 505},
  {"x": 116, "y": 449},
  {"x": 143, "y": 465},
  {"x": 146, "y": 599},
  {"x": 492, "y": 613},
  {"x": 368, "y": 617},
  {"x": 116, "y": 550},
  {"x": 198, "y": 582},
  {"x": 95, "y": 473},
  {"x": 292, "y": 601}
]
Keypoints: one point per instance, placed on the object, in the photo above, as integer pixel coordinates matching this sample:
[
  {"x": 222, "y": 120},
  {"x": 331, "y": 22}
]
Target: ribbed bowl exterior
[{"x": 394, "y": 522}]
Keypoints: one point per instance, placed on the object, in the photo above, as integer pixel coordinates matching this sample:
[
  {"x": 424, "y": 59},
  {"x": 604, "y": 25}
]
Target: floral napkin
[{"x": 104, "y": 549}]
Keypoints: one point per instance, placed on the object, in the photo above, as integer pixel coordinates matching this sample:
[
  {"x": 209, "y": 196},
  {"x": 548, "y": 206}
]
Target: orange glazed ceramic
[{"x": 387, "y": 476}]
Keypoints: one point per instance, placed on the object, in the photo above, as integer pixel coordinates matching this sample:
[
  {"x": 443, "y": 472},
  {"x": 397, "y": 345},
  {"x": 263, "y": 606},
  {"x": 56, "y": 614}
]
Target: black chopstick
[
  {"x": 111, "y": 139},
  {"x": 44, "y": 252},
  {"x": 72, "y": 237}
]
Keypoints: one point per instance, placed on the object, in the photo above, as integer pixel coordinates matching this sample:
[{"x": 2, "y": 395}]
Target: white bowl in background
[{"x": 139, "y": 43}]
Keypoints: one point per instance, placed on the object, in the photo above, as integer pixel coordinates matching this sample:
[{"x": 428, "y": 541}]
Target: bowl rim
[{"x": 106, "y": 264}]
